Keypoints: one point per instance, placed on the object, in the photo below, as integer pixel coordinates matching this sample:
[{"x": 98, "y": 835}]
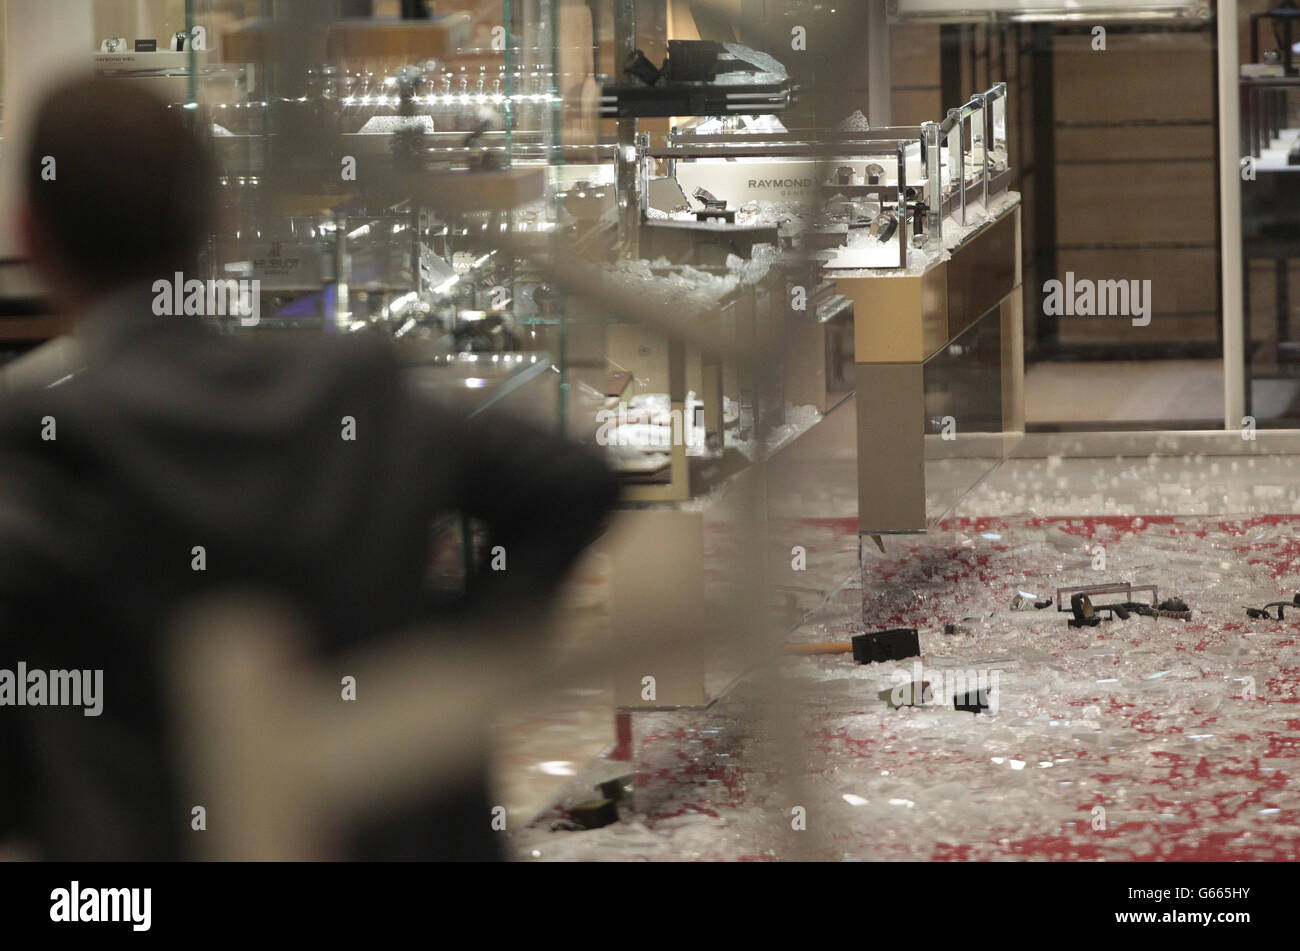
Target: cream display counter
[{"x": 939, "y": 375}]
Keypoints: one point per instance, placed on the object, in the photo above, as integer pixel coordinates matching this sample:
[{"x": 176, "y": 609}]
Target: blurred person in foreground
[{"x": 172, "y": 436}]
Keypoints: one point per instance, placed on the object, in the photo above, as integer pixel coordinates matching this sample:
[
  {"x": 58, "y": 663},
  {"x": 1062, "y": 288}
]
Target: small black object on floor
[
  {"x": 972, "y": 701},
  {"x": 1281, "y": 609},
  {"x": 594, "y": 813},
  {"x": 895, "y": 644}
]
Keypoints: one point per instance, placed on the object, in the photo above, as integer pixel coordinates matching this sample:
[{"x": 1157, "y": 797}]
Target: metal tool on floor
[
  {"x": 809, "y": 648},
  {"x": 1084, "y": 608},
  {"x": 1281, "y": 608},
  {"x": 895, "y": 644},
  {"x": 1025, "y": 601},
  {"x": 875, "y": 647}
]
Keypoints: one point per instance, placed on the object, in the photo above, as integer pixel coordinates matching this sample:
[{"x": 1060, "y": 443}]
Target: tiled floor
[
  {"x": 1148, "y": 485},
  {"x": 1153, "y": 724},
  {"x": 1136, "y": 739}
]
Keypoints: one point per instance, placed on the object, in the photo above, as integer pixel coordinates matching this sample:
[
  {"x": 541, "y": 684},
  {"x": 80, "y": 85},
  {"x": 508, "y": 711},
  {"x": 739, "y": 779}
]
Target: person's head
[{"x": 118, "y": 189}]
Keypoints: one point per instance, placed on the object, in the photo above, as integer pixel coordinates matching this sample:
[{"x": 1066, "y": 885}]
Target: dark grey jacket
[{"x": 173, "y": 437}]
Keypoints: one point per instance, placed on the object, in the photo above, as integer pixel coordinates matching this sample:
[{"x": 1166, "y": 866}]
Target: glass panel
[
  {"x": 1122, "y": 224},
  {"x": 1270, "y": 205},
  {"x": 963, "y": 381},
  {"x": 368, "y": 169},
  {"x": 975, "y": 152},
  {"x": 998, "y": 142},
  {"x": 953, "y": 169}
]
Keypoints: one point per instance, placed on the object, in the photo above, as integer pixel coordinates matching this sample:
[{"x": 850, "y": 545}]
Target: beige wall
[
  {"x": 43, "y": 41},
  {"x": 140, "y": 19}
]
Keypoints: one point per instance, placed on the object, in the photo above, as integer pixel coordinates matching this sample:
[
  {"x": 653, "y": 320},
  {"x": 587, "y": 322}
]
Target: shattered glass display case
[
  {"x": 881, "y": 191},
  {"x": 370, "y": 183},
  {"x": 918, "y": 231}
]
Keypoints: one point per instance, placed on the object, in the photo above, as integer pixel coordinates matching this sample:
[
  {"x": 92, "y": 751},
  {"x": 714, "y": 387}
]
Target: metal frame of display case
[{"x": 991, "y": 182}]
